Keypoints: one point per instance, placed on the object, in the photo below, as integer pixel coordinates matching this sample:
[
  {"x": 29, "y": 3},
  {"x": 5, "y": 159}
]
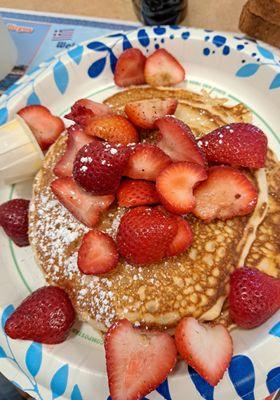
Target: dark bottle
[{"x": 160, "y": 12}]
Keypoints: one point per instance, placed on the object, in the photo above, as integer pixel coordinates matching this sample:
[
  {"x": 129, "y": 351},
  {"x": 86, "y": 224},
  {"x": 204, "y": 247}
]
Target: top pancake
[{"x": 159, "y": 295}]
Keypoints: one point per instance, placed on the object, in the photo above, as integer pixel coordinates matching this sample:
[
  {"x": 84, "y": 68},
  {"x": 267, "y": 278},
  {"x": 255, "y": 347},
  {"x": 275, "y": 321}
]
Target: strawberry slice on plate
[
  {"x": 45, "y": 126},
  {"x": 237, "y": 144},
  {"x": 162, "y": 69},
  {"x": 14, "y": 220},
  {"x": 97, "y": 254},
  {"x": 183, "y": 239},
  {"x": 113, "y": 129},
  {"x": 253, "y": 298},
  {"x": 76, "y": 140},
  {"x": 137, "y": 362},
  {"x": 175, "y": 185},
  {"x": 84, "y": 110},
  {"x": 225, "y": 194},
  {"x": 132, "y": 193},
  {"x": 178, "y": 141},
  {"x": 206, "y": 348},
  {"x": 130, "y": 68},
  {"x": 84, "y": 206},
  {"x": 144, "y": 113},
  {"x": 146, "y": 162}
]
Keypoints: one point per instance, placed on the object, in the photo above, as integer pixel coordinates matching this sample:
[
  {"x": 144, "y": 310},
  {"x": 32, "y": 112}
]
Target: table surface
[{"x": 211, "y": 14}]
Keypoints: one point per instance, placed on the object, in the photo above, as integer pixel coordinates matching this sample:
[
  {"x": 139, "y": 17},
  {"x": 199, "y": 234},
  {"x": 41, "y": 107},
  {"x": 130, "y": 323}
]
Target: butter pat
[{"x": 20, "y": 154}]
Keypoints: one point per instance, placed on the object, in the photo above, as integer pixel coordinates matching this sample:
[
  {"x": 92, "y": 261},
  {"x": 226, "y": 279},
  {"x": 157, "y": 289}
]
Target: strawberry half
[
  {"x": 84, "y": 206},
  {"x": 130, "y": 68},
  {"x": 76, "y": 140},
  {"x": 84, "y": 110},
  {"x": 175, "y": 185},
  {"x": 183, "y": 239},
  {"x": 144, "y": 235},
  {"x": 132, "y": 193},
  {"x": 162, "y": 69},
  {"x": 254, "y": 297},
  {"x": 137, "y": 362},
  {"x": 146, "y": 162},
  {"x": 206, "y": 348},
  {"x": 113, "y": 129},
  {"x": 144, "y": 113},
  {"x": 14, "y": 220},
  {"x": 225, "y": 194},
  {"x": 98, "y": 167},
  {"x": 45, "y": 127},
  {"x": 238, "y": 144},
  {"x": 97, "y": 254},
  {"x": 178, "y": 141},
  {"x": 46, "y": 316}
]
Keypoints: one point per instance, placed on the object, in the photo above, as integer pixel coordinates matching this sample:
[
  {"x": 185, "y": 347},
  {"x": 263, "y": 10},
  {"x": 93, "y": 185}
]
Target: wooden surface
[{"x": 211, "y": 14}]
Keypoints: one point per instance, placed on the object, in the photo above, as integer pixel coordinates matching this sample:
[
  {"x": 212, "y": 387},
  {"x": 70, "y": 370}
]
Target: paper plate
[{"x": 229, "y": 66}]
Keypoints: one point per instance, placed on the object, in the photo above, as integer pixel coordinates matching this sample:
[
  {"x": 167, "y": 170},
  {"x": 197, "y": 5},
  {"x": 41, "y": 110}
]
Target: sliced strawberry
[
  {"x": 254, "y": 297},
  {"x": 45, "y": 127},
  {"x": 113, "y": 128},
  {"x": 137, "y": 362},
  {"x": 144, "y": 113},
  {"x": 238, "y": 144},
  {"x": 98, "y": 253},
  {"x": 146, "y": 162},
  {"x": 225, "y": 194},
  {"x": 130, "y": 68},
  {"x": 162, "y": 69},
  {"x": 183, "y": 239},
  {"x": 206, "y": 348},
  {"x": 132, "y": 193},
  {"x": 144, "y": 235},
  {"x": 175, "y": 186},
  {"x": 178, "y": 141},
  {"x": 84, "y": 110},
  {"x": 76, "y": 140},
  {"x": 84, "y": 206}
]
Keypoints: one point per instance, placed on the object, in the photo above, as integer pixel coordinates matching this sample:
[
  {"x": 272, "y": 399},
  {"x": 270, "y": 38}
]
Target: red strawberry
[
  {"x": 98, "y": 167},
  {"x": 14, "y": 220},
  {"x": 137, "y": 362},
  {"x": 238, "y": 144},
  {"x": 178, "y": 141},
  {"x": 130, "y": 68},
  {"x": 46, "y": 316},
  {"x": 133, "y": 193},
  {"x": 84, "y": 206},
  {"x": 225, "y": 194},
  {"x": 113, "y": 129},
  {"x": 76, "y": 140},
  {"x": 183, "y": 239},
  {"x": 146, "y": 162},
  {"x": 98, "y": 253},
  {"x": 162, "y": 69},
  {"x": 144, "y": 235},
  {"x": 175, "y": 186},
  {"x": 254, "y": 297},
  {"x": 206, "y": 348},
  {"x": 45, "y": 126},
  {"x": 144, "y": 113},
  {"x": 84, "y": 110}
]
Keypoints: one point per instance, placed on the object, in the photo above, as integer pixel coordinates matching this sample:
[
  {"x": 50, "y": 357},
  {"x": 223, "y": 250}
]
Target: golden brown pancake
[{"x": 192, "y": 284}]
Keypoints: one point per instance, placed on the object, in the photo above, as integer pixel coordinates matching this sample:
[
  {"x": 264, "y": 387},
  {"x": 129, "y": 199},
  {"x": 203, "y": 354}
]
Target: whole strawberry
[
  {"x": 99, "y": 166},
  {"x": 254, "y": 297},
  {"x": 46, "y": 316},
  {"x": 14, "y": 220},
  {"x": 144, "y": 235}
]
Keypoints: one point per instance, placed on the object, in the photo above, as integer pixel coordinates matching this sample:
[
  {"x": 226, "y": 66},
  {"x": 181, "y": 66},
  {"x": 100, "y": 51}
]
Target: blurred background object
[
  {"x": 261, "y": 19},
  {"x": 8, "y": 51},
  {"x": 160, "y": 12}
]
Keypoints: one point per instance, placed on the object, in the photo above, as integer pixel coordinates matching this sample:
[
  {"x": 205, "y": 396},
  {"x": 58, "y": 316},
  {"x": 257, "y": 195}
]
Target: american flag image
[{"x": 62, "y": 34}]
